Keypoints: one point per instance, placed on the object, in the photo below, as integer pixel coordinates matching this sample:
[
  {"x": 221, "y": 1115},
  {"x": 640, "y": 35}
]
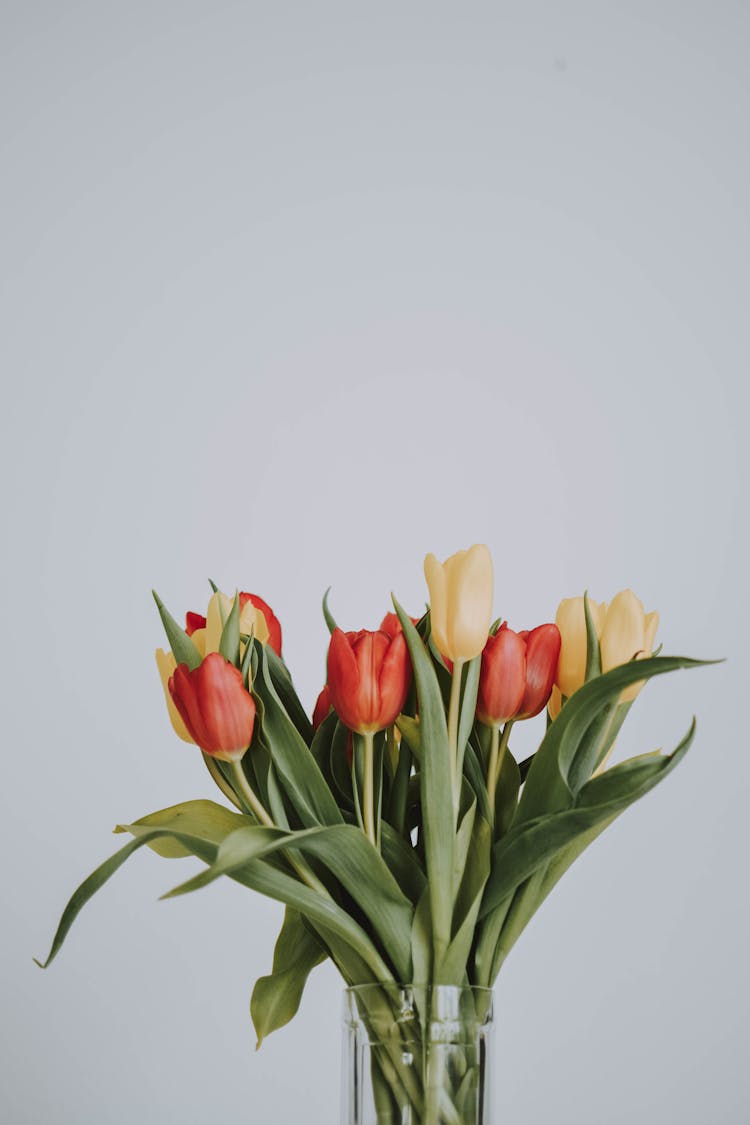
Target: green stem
[
  {"x": 221, "y": 781},
  {"x": 498, "y": 746},
  {"x": 261, "y": 814},
  {"x": 368, "y": 797},
  {"x": 249, "y": 797},
  {"x": 454, "y": 708}
]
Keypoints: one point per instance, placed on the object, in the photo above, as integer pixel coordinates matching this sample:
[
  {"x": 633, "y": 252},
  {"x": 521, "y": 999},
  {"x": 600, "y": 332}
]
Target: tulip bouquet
[{"x": 405, "y": 840}]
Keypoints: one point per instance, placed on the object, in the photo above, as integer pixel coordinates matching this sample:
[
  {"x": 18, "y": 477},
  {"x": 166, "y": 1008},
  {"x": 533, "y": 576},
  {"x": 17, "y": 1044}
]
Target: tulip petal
[
  {"x": 469, "y": 581},
  {"x": 166, "y": 664},
  {"x": 219, "y": 608},
  {"x": 217, "y": 710},
  {"x": 502, "y": 678},
  {"x": 393, "y": 680},
  {"x": 435, "y": 576},
  {"x": 624, "y": 630},
  {"x": 571, "y": 621},
  {"x": 343, "y": 678},
  {"x": 542, "y": 653}
]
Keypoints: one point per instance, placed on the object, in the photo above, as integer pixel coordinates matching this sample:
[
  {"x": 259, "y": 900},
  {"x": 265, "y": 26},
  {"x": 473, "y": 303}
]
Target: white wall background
[{"x": 291, "y": 294}]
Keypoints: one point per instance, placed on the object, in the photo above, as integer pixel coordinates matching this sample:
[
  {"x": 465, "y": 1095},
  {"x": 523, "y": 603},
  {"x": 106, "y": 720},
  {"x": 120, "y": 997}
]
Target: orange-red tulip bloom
[
  {"x": 215, "y": 706},
  {"x": 323, "y": 707},
  {"x": 517, "y": 673},
  {"x": 368, "y": 677},
  {"x": 391, "y": 624}
]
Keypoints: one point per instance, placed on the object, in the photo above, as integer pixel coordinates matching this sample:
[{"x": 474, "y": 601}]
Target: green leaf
[
  {"x": 285, "y": 690},
  {"x": 348, "y": 855},
  {"x": 533, "y": 843},
  {"x": 399, "y": 792},
  {"x": 593, "y": 649},
  {"x": 183, "y": 649},
  {"x": 475, "y": 777},
  {"x": 229, "y": 645},
  {"x": 421, "y": 940},
  {"x": 403, "y": 863},
  {"x": 436, "y": 788},
  {"x": 196, "y": 825},
  {"x": 411, "y": 734},
  {"x": 470, "y": 688},
  {"x": 297, "y": 769},
  {"x": 329, "y": 618},
  {"x": 197, "y": 820},
  {"x": 570, "y": 748},
  {"x": 452, "y": 969},
  {"x": 506, "y": 794},
  {"x": 276, "y": 997}
]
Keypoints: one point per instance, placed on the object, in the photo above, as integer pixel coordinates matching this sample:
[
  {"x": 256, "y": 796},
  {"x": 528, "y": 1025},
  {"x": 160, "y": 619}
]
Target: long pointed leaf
[
  {"x": 276, "y": 997},
  {"x": 534, "y": 843},
  {"x": 435, "y": 774},
  {"x": 298, "y": 771}
]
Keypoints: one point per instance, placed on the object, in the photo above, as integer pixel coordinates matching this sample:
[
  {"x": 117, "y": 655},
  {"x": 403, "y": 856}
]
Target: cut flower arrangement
[{"x": 404, "y": 839}]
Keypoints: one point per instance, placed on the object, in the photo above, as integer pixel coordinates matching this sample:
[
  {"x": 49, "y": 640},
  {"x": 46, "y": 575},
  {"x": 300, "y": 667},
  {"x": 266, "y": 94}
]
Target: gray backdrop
[{"x": 292, "y": 294}]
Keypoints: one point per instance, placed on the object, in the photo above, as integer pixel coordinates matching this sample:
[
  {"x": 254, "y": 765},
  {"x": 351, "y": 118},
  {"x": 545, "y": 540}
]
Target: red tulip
[
  {"x": 272, "y": 621},
  {"x": 193, "y": 622},
  {"x": 215, "y": 706},
  {"x": 542, "y": 654},
  {"x": 322, "y": 707},
  {"x": 368, "y": 678},
  {"x": 391, "y": 624},
  {"x": 517, "y": 673}
]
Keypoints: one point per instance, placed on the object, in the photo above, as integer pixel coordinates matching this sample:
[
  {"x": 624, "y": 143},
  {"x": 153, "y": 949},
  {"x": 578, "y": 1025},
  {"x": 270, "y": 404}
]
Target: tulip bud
[
  {"x": 502, "y": 677},
  {"x": 322, "y": 708},
  {"x": 392, "y": 625},
  {"x": 460, "y": 602},
  {"x": 625, "y": 633},
  {"x": 166, "y": 664},
  {"x": 216, "y": 708},
  {"x": 542, "y": 655},
  {"x": 368, "y": 678},
  {"x": 256, "y": 617},
  {"x": 193, "y": 622},
  {"x": 628, "y": 633},
  {"x": 517, "y": 674},
  {"x": 571, "y": 621}
]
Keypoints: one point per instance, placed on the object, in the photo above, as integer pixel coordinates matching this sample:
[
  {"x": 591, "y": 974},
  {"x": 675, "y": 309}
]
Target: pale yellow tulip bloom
[
  {"x": 625, "y": 632},
  {"x": 166, "y": 664},
  {"x": 460, "y": 601},
  {"x": 571, "y": 621},
  {"x": 628, "y": 633},
  {"x": 219, "y": 608}
]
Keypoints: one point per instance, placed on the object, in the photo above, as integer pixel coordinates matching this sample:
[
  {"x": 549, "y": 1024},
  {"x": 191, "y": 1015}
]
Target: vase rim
[{"x": 395, "y": 986}]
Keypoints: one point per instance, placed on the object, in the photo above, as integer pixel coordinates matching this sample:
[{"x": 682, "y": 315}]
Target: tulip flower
[
  {"x": 460, "y": 602},
  {"x": 391, "y": 624},
  {"x": 323, "y": 707},
  {"x": 256, "y": 617},
  {"x": 625, "y": 633},
  {"x": 216, "y": 708},
  {"x": 368, "y": 678},
  {"x": 166, "y": 664},
  {"x": 517, "y": 674}
]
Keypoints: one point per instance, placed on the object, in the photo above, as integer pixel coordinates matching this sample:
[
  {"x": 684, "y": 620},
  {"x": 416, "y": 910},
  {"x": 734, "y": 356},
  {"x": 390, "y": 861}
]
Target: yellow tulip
[
  {"x": 460, "y": 602},
  {"x": 625, "y": 632},
  {"x": 571, "y": 621},
  {"x": 166, "y": 664},
  {"x": 628, "y": 633},
  {"x": 219, "y": 608}
]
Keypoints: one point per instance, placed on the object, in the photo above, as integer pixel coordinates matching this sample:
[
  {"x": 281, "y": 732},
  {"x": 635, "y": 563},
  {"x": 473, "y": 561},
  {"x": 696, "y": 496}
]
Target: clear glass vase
[{"x": 416, "y": 1055}]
